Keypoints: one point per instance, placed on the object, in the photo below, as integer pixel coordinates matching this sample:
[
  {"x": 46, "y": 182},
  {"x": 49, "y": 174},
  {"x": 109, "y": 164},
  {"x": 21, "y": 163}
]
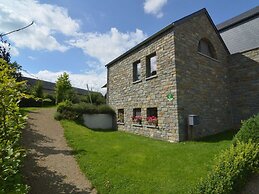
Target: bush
[
  {"x": 66, "y": 105},
  {"x": 249, "y": 130},
  {"x": 67, "y": 111},
  {"x": 231, "y": 170},
  {"x": 58, "y": 116},
  {"x": 105, "y": 109},
  {"x": 11, "y": 123},
  {"x": 96, "y": 97},
  {"x": 75, "y": 111}
]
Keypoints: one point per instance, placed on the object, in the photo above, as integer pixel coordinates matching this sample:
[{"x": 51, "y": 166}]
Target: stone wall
[
  {"x": 244, "y": 84},
  {"x": 201, "y": 81},
  {"x": 124, "y": 94}
]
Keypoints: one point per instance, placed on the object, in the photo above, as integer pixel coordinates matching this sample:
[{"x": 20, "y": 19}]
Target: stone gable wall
[
  {"x": 124, "y": 94},
  {"x": 244, "y": 84},
  {"x": 201, "y": 81}
]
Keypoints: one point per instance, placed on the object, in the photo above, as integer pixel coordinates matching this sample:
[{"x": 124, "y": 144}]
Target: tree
[
  {"x": 5, "y": 55},
  {"x": 5, "y": 50},
  {"x": 37, "y": 89},
  {"x": 63, "y": 88},
  {"x": 96, "y": 98}
]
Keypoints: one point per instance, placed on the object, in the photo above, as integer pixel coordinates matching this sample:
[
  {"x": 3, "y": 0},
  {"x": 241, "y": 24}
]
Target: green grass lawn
[{"x": 118, "y": 162}]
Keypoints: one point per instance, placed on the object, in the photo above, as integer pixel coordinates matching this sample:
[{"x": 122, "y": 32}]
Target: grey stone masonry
[
  {"x": 150, "y": 92},
  {"x": 244, "y": 84},
  {"x": 196, "y": 75},
  {"x": 201, "y": 80}
]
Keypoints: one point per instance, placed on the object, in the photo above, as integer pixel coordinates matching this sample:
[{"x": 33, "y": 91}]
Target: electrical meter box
[{"x": 193, "y": 120}]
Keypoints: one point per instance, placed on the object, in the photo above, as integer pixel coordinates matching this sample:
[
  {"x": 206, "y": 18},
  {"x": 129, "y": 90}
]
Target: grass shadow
[{"x": 223, "y": 136}]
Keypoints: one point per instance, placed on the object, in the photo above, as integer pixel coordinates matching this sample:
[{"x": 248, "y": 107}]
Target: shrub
[
  {"x": 105, "y": 109},
  {"x": 75, "y": 111},
  {"x": 58, "y": 116},
  {"x": 49, "y": 100},
  {"x": 66, "y": 105},
  {"x": 67, "y": 111},
  {"x": 231, "y": 169},
  {"x": 11, "y": 123},
  {"x": 249, "y": 130},
  {"x": 93, "y": 97}
]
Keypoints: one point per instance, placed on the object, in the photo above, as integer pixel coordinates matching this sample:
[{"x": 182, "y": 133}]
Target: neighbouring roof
[
  {"x": 166, "y": 29},
  {"x": 241, "y": 33},
  {"x": 49, "y": 85},
  {"x": 238, "y": 19}
]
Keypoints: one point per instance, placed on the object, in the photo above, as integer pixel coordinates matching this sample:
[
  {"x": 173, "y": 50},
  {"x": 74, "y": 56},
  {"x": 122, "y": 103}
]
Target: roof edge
[
  {"x": 217, "y": 32},
  {"x": 238, "y": 19},
  {"x": 165, "y": 29}
]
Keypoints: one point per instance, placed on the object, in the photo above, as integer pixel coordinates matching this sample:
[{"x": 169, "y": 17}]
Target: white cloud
[
  {"x": 49, "y": 20},
  {"x": 154, "y": 7},
  {"x": 32, "y": 58},
  {"x": 94, "y": 80},
  {"x": 109, "y": 45}
]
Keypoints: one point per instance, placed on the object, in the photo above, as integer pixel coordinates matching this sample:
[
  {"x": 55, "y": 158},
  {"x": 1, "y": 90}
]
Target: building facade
[{"x": 184, "y": 69}]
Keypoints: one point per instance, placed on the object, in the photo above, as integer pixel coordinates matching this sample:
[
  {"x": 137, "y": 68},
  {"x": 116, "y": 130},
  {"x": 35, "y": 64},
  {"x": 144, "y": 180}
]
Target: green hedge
[
  {"x": 67, "y": 110},
  {"x": 231, "y": 170},
  {"x": 11, "y": 124},
  {"x": 49, "y": 100},
  {"x": 249, "y": 130}
]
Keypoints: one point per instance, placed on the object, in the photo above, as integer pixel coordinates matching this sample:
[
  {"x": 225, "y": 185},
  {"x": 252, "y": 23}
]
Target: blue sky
[{"x": 81, "y": 36}]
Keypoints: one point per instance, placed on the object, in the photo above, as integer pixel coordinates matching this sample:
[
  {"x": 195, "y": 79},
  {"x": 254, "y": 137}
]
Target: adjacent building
[{"x": 183, "y": 70}]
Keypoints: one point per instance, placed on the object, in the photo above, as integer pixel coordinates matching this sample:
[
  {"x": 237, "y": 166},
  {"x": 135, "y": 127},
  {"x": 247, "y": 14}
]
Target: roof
[
  {"x": 50, "y": 85},
  {"x": 241, "y": 33},
  {"x": 238, "y": 19},
  {"x": 166, "y": 29}
]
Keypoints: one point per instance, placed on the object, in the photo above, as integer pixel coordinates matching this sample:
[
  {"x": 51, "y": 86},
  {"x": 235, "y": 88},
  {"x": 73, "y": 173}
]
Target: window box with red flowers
[
  {"x": 137, "y": 120},
  {"x": 152, "y": 121}
]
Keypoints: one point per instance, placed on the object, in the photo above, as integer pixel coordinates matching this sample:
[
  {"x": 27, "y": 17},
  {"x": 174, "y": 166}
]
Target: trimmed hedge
[
  {"x": 11, "y": 124},
  {"x": 232, "y": 169},
  {"x": 67, "y": 110},
  {"x": 249, "y": 130}
]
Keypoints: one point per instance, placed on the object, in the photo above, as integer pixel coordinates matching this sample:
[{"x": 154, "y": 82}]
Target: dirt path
[{"x": 50, "y": 167}]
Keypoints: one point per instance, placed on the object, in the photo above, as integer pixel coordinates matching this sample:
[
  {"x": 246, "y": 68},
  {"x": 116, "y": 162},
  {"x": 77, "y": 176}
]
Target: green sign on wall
[{"x": 170, "y": 97}]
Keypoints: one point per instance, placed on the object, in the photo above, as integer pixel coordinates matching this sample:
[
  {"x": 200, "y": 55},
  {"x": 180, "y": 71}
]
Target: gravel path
[{"x": 50, "y": 167}]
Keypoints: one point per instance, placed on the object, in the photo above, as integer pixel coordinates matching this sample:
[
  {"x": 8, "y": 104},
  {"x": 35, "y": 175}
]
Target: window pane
[
  {"x": 136, "y": 112},
  {"x": 136, "y": 71},
  {"x": 152, "y": 112},
  {"x": 153, "y": 65},
  {"x": 207, "y": 48},
  {"x": 152, "y": 116},
  {"x": 120, "y": 115}
]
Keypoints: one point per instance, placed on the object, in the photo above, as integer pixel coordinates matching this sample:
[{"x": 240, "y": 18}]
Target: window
[
  {"x": 205, "y": 47},
  {"x": 152, "y": 116},
  {"x": 137, "y": 112},
  {"x": 151, "y": 65},
  {"x": 137, "y": 118},
  {"x": 120, "y": 118},
  {"x": 136, "y": 71}
]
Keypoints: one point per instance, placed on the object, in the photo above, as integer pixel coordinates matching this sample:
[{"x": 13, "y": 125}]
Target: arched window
[{"x": 205, "y": 47}]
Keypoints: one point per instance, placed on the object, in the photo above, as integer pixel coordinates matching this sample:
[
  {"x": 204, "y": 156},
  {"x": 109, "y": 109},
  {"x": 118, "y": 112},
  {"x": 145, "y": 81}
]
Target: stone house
[{"x": 184, "y": 69}]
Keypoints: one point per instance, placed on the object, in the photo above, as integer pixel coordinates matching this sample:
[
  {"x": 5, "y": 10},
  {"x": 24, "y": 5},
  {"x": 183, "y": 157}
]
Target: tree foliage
[
  {"x": 96, "y": 98},
  {"x": 63, "y": 88},
  {"x": 37, "y": 89},
  {"x": 11, "y": 123},
  {"x": 5, "y": 55}
]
